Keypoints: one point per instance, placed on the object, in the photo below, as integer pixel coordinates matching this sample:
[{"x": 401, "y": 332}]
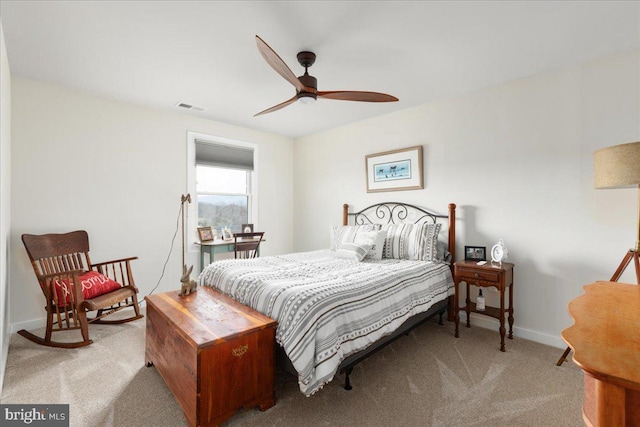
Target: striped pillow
[
  {"x": 412, "y": 241},
  {"x": 349, "y": 233},
  {"x": 353, "y": 251}
]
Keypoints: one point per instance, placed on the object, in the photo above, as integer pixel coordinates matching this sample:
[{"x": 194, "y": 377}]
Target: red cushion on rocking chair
[{"x": 93, "y": 284}]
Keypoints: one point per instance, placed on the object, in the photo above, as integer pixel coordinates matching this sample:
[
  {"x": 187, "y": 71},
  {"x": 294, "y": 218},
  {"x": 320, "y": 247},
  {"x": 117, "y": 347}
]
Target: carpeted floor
[{"x": 428, "y": 378}]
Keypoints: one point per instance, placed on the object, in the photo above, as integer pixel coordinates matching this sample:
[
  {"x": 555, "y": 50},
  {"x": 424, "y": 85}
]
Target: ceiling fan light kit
[
  {"x": 306, "y": 98},
  {"x": 307, "y": 85}
]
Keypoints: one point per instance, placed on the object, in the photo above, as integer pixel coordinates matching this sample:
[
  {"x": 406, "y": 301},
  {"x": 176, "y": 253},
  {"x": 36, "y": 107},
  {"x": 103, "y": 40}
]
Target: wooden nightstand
[{"x": 484, "y": 276}]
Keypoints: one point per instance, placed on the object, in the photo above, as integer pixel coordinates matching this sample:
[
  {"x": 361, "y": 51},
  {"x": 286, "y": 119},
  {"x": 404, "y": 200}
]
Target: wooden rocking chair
[{"x": 60, "y": 261}]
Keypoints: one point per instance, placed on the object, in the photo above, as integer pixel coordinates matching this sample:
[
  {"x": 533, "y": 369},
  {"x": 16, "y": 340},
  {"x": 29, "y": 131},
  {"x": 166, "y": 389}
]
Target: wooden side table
[
  {"x": 485, "y": 276},
  {"x": 216, "y": 247},
  {"x": 605, "y": 339}
]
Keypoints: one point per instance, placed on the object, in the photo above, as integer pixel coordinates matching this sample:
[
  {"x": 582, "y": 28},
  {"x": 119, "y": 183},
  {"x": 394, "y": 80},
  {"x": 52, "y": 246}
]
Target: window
[
  {"x": 224, "y": 197},
  {"x": 221, "y": 174}
]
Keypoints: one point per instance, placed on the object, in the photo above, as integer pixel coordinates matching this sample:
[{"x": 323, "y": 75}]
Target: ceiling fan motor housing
[
  {"x": 310, "y": 82},
  {"x": 306, "y": 59}
]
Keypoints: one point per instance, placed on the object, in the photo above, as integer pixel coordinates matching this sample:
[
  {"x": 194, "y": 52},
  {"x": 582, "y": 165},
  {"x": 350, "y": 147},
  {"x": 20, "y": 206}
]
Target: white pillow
[
  {"x": 411, "y": 241},
  {"x": 348, "y": 233},
  {"x": 377, "y": 249},
  {"x": 353, "y": 251}
]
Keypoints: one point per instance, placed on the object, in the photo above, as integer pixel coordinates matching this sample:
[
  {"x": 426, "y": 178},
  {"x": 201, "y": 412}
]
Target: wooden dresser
[
  {"x": 214, "y": 354},
  {"x": 605, "y": 339}
]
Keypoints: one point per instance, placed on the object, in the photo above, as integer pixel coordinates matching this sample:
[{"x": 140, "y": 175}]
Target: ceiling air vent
[{"x": 190, "y": 107}]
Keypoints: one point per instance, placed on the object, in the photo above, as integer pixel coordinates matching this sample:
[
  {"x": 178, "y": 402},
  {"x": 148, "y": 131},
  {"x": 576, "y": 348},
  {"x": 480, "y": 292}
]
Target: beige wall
[
  {"x": 118, "y": 170},
  {"x": 5, "y": 196},
  {"x": 517, "y": 160}
]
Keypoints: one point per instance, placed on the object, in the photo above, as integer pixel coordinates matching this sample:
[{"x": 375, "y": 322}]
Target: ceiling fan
[{"x": 306, "y": 85}]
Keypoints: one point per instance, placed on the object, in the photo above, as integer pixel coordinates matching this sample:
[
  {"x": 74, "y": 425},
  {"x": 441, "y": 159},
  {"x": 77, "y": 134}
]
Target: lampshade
[{"x": 617, "y": 166}]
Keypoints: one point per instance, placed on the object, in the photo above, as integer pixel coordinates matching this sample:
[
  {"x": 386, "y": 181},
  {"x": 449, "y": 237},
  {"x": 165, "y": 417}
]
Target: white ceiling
[{"x": 159, "y": 53}]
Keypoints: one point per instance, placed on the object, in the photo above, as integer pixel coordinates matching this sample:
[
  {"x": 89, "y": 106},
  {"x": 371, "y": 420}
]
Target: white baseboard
[
  {"x": 528, "y": 334},
  {"x": 29, "y": 325}
]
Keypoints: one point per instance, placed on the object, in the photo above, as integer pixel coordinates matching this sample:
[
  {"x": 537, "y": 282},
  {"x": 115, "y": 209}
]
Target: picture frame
[
  {"x": 227, "y": 234},
  {"x": 475, "y": 253},
  {"x": 205, "y": 234},
  {"x": 395, "y": 170},
  {"x": 245, "y": 226}
]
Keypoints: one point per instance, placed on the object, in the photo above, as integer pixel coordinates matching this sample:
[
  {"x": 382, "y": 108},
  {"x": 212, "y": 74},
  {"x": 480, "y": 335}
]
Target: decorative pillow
[
  {"x": 411, "y": 241},
  {"x": 348, "y": 233},
  {"x": 93, "y": 284},
  {"x": 442, "y": 253},
  {"x": 353, "y": 251},
  {"x": 377, "y": 249}
]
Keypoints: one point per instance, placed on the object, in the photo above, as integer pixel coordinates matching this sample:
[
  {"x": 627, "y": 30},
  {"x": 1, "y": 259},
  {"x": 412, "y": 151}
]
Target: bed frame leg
[
  {"x": 440, "y": 318},
  {"x": 347, "y": 383}
]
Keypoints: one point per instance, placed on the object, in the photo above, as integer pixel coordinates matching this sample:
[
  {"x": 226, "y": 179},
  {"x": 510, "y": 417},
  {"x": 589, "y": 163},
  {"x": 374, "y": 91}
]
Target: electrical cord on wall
[{"x": 173, "y": 239}]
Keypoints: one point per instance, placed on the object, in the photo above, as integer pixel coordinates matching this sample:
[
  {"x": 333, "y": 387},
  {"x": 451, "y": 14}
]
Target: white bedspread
[{"x": 328, "y": 308}]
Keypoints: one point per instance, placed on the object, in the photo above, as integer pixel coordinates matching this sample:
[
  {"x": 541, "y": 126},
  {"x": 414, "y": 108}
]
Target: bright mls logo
[{"x": 35, "y": 415}]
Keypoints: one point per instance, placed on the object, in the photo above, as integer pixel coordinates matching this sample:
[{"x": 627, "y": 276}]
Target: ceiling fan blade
[
  {"x": 277, "y": 107},
  {"x": 350, "y": 95},
  {"x": 278, "y": 64}
]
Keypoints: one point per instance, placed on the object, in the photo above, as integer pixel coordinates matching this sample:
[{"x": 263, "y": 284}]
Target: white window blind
[{"x": 225, "y": 156}]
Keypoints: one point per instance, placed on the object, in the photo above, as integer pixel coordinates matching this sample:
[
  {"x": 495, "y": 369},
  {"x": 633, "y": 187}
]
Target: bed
[{"x": 387, "y": 270}]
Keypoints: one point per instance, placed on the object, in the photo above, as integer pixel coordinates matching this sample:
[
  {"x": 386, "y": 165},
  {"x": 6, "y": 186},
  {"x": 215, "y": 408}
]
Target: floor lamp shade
[{"x": 617, "y": 166}]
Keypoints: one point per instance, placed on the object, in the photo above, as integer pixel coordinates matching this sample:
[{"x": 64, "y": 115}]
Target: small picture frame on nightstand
[{"x": 475, "y": 253}]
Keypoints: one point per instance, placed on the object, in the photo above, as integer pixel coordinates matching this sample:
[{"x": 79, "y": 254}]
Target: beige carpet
[{"x": 428, "y": 378}]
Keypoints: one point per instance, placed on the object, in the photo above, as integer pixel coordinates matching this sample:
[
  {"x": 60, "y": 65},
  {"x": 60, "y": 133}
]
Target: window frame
[{"x": 192, "y": 210}]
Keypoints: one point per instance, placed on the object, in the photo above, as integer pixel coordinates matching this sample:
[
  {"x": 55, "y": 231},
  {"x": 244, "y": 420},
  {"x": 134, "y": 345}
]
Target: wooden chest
[{"x": 214, "y": 354}]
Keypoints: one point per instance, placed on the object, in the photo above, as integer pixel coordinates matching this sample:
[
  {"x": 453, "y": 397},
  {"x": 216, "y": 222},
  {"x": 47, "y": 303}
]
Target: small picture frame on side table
[
  {"x": 247, "y": 228},
  {"x": 205, "y": 234},
  {"x": 475, "y": 253}
]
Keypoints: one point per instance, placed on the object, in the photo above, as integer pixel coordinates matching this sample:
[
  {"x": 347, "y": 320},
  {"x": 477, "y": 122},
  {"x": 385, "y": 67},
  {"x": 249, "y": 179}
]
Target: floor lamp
[{"x": 617, "y": 167}]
